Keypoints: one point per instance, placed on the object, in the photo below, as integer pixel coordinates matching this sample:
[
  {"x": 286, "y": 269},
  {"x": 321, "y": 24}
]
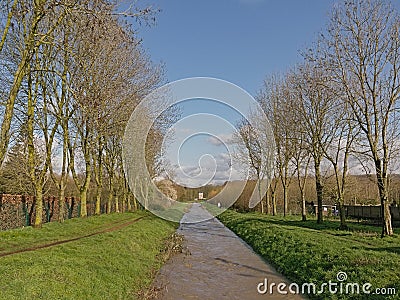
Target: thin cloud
[
  {"x": 215, "y": 171},
  {"x": 220, "y": 140}
]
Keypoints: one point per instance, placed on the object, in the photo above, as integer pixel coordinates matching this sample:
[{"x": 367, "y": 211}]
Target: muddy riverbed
[{"x": 216, "y": 265}]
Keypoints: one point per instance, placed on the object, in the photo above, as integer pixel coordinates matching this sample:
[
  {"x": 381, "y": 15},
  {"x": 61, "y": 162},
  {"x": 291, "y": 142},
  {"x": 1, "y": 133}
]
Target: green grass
[
  {"x": 212, "y": 208},
  {"x": 175, "y": 212},
  {"x": 308, "y": 252},
  {"x": 111, "y": 265}
]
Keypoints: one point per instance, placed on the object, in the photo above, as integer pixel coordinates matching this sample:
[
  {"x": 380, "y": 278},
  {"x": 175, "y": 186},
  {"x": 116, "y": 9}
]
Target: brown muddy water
[{"x": 217, "y": 265}]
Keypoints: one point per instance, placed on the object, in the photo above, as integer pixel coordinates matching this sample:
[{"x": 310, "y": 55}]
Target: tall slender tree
[{"x": 363, "y": 52}]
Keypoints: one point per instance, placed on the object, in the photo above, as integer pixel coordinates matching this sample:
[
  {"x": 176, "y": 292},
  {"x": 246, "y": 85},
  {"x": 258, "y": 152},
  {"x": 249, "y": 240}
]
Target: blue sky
[
  {"x": 199, "y": 145},
  {"x": 241, "y": 41}
]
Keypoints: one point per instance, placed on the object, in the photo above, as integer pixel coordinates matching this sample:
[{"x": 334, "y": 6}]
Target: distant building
[{"x": 327, "y": 210}]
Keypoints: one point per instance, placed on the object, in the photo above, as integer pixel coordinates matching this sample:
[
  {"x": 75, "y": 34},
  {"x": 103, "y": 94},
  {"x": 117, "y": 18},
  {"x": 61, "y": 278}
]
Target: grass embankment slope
[
  {"x": 308, "y": 252},
  {"x": 109, "y": 257}
]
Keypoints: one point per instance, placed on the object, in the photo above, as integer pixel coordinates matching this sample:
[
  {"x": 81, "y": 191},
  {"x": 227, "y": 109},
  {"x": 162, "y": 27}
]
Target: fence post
[{"x": 78, "y": 209}]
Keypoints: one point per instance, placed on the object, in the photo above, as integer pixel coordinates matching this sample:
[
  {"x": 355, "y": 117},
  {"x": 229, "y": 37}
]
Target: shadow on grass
[
  {"x": 309, "y": 224},
  {"x": 328, "y": 225}
]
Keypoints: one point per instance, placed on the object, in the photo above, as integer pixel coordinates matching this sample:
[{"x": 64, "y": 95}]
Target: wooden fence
[
  {"x": 18, "y": 210},
  {"x": 370, "y": 212}
]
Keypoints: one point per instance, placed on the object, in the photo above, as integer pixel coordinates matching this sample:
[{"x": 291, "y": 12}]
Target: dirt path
[
  {"x": 108, "y": 229},
  {"x": 220, "y": 265}
]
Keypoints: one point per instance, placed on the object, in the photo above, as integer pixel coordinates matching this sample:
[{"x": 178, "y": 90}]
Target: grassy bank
[
  {"x": 306, "y": 252},
  {"x": 109, "y": 257}
]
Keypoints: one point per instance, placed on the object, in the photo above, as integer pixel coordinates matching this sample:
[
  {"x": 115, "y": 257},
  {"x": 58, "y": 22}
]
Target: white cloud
[
  {"x": 210, "y": 170},
  {"x": 220, "y": 140}
]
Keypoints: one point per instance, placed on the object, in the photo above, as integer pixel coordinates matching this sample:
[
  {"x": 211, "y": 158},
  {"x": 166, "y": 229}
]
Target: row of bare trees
[
  {"x": 339, "y": 106},
  {"x": 71, "y": 74}
]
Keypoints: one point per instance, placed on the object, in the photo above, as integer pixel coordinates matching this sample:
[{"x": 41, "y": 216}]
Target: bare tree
[
  {"x": 57, "y": 57},
  {"x": 106, "y": 51},
  {"x": 32, "y": 22},
  {"x": 39, "y": 124},
  {"x": 252, "y": 153},
  {"x": 363, "y": 52},
  {"x": 343, "y": 133},
  {"x": 276, "y": 99},
  {"x": 72, "y": 72},
  {"x": 315, "y": 106},
  {"x": 272, "y": 192},
  {"x": 253, "y": 148},
  {"x": 8, "y": 8},
  {"x": 301, "y": 160}
]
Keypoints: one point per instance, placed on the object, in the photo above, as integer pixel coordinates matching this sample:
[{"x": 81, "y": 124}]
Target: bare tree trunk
[
  {"x": 61, "y": 202},
  {"x": 127, "y": 195},
  {"x": 99, "y": 190},
  {"x": 381, "y": 176},
  {"x": 285, "y": 202},
  {"x": 83, "y": 196},
  {"x": 129, "y": 204},
  {"x": 342, "y": 214},
  {"x": 35, "y": 175},
  {"x": 83, "y": 188},
  {"x": 83, "y": 192},
  {"x": 99, "y": 182},
  {"x": 303, "y": 207},
  {"x": 268, "y": 202},
  {"x": 116, "y": 201},
  {"x": 109, "y": 202},
  {"x": 259, "y": 195},
  {"x": 273, "y": 200},
  {"x": 302, "y": 183},
  {"x": 124, "y": 202},
  {"x": 37, "y": 223},
  {"x": 7, "y": 25},
  {"x": 97, "y": 210},
  {"x": 387, "y": 223},
  {"x": 135, "y": 204},
  {"x": 319, "y": 189},
  {"x": 98, "y": 174},
  {"x": 62, "y": 183}
]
